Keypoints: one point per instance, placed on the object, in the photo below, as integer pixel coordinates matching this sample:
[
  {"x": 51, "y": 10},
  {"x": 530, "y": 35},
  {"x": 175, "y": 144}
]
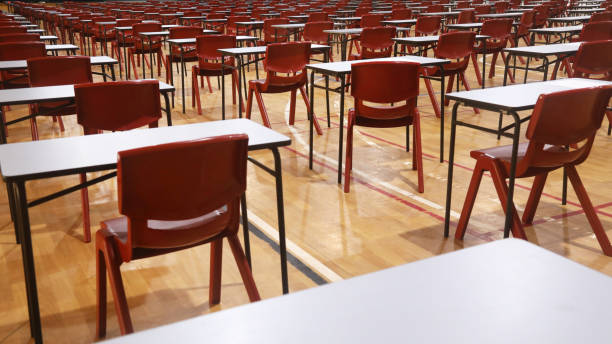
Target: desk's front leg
[
  {"x": 245, "y": 229},
  {"x": 27, "y": 256},
  {"x": 341, "y": 127},
  {"x": 280, "y": 208},
  {"x": 311, "y": 121},
  {"x": 451, "y": 160},
  {"x": 168, "y": 113},
  {"x": 442, "y": 105}
]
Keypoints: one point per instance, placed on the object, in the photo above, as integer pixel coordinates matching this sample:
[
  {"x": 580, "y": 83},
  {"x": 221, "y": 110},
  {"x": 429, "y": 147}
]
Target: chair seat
[
  {"x": 380, "y": 122},
  {"x": 259, "y": 83},
  {"x": 61, "y": 108},
  {"x": 215, "y": 221},
  {"x": 505, "y": 152}
]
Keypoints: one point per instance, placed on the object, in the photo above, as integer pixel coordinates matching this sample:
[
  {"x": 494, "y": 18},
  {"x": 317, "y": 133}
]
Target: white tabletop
[
  {"x": 520, "y": 96},
  {"x": 63, "y": 156},
  {"x": 507, "y": 291},
  {"x": 18, "y": 64},
  {"x": 262, "y": 49},
  {"x": 345, "y": 66},
  {"x": 546, "y": 49}
]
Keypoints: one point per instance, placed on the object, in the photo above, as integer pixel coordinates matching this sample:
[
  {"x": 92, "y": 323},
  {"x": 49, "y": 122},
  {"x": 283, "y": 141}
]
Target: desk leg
[
  {"x": 151, "y": 56},
  {"x": 509, "y": 201},
  {"x": 112, "y": 69},
  {"x": 545, "y": 60},
  {"x": 451, "y": 160},
  {"x": 484, "y": 62},
  {"x": 526, "y": 70},
  {"x": 103, "y": 73},
  {"x": 311, "y": 120},
  {"x": 240, "y": 73},
  {"x": 341, "y": 127},
  {"x": 223, "y": 89},
  {"x": 3, "y": 126},
  {"x": 182, "y": 76},
  {"x": 11, "y": 201},
  {"x": 168, "y": 113},
  {"x": 442, "y": 90},
  {"x": 27, "y": 256},
  {"x": 281, "y": 219},
  {"x": 171, "y": 76},
  {"x": 245, "y": 229},
  {"x": 343, "y": 47}
]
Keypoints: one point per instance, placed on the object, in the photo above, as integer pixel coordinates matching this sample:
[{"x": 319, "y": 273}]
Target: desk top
[
  {"x": 499, "y": 15},
  {"x": 558, "y": 29},
  {"x": 545, "y": 50},
  {"x": 55, "y": 47},
  {"x": 399, "y": 21},
  {"x": 262, "y": 50},
  {"x": 29, "y": 95},
  {"x": 182, "y": 41},
  {"x": 570, "y": 19},
  {"x": 20, "y": 64},
  {"x": 519, "y": 97},
  {"x": 255, "y": 22},
  {"x": 352, "y": 31},
  {"x": 441, "y": 14},
  {"x": 427, "y": 39},
  {"x": 344, "y": 67},
  {"x": 506, "y": 291},
  {"x": 289, "y": 26},
  {"x": 70, "y": 155}
]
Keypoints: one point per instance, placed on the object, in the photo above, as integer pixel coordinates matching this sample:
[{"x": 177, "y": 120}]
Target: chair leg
[
  {"x": 209, "y": 85},
  {"x": 243, "y": 267},
  {"x": 85, "y": 209},
  {"x": 470, "y": 198},
  {"x": 100, "y": 290},
  {"x": 449, "y": 88},
  {"x": 262, "y": 108},
  {"x": 216, "y": 256},
  {"x": 476, "y": 69},
  {"x": 249, "y": 105},
  {"x": 234, "y": 78},
  {"x": 432, "y": 97},
  {"x": 499, "y": 180},
  {"x": 195, "y": 90},
  {"x": 587, "y": 206},
  {"x": 134, "y": 67},
  {"x": 235, "y": 84},
  {"x": 292, "y": 107},
  {"x": 61, "y": 123},
  {"x": 467, "y": 86},
  {"x": 534, "y": 198},
  {"x": 507, "y": 70},
  {"x": 113, "y": 262},
  {"x": 492, "y": 68},
  {"x": 348, "y": 165},
  {"x": 314, "y": 118},
  {"x": 418, "y": 150}
]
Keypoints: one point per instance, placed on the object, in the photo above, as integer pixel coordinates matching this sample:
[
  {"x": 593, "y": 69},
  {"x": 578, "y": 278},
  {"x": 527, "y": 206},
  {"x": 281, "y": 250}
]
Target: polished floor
[{"x": 332, "y": 235}]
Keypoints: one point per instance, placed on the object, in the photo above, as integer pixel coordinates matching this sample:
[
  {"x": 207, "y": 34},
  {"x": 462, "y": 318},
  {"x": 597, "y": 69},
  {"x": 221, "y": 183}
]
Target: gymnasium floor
[{"x": 382, "y": 222}]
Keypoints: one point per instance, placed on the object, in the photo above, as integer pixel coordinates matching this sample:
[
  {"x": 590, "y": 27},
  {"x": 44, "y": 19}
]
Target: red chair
[
  {"x": 401, "y": 14},
  {"x": 124, "y": 39},
  {"x": 317, "y": 17},
  {"x": 290, "y": 58},
  {"x": 56, "y": 70},
  {"x": 462, "y": 4},
  {"x": 102, "y": 34},
  {"x": 367, "y": 20},
  {"x": 114, "y": 106},
  {"x": 13, "y": 29},
  {"x": 501, "y": 6},
  {"x": 466, "y": 17},
  {"x": 209, "y": 64},
  {"x": 553, "y": 126},
  {"x": 384, "y": 83},
  {"x": 19, "y": 51},
  {"x": 434, "y": 9},
  {"x": 173, "y": 197},
  {"x": 313, "y": 32},
  {"x": 596, "y": 31},
  {"x": 601, "y": 16},
  {"x": 456, "y": 46},
  {"x": 142, "y": 46},
  {"x": 189, "y": 52},
  {"x": 19, "y": 37},
  {"x": 482, "y": 9},
  {"x": 500, "y": 31},
  {"x": 593, "y": 59},
  {"x": 231, "y": 27},
  {"x": 376, "y": 42},
  {"x": 272, "y": 35},
  {"x": 427, "y": 25}
]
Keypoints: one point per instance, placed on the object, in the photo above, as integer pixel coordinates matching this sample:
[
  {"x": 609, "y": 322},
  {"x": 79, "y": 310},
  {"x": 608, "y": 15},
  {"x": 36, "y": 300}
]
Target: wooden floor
[{"x": 382, "y": 222}]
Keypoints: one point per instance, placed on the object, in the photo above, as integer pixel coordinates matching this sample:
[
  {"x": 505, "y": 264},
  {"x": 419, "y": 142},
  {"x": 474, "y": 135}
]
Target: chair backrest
[
  {"x": 601, "y": 16},
  {"x": 434, "y": 9},
  {"x": 183, "y": 181},
  {"x": 427, "y": 25},
  {"x": 385, "y": 82},
  {"x": 290, "y": 57},
  {"x": 231, "y": 20},
  {"x": 501, "y": 6},
  {"x": 21, "y": 50},
  {"x": 270, "y": 33},
  {"x": 362, "y": 11},
  {"x": 19, "y": 37},
  {"x": 13, "y": 29},
  {"x": 401, "y": 13},
  {"x": 596, "y": 31},
  {"x": 455, "y": 45},
  {"x": 317, "y": 17},
  {"x": 184, "y": 32},
  {"x": 127, "y": 22},
  {"x": 462, "y": 4},
  {"x": 498, "y": 29},
  {"x": 377, "y": 41},
  {"x": 371, "y": 20},
  {"x": 482, "y": 9},
  {"x": 313, "y": 31},
  {"x": 554, "y": 122},
  {"x": 146, "y": 27},
  {"x": 466, "y": 16},
  {"x": 116, "y": 106},
  {"x": 207, "y": 46},
  {"x": 59, "y": 70},
  {"x": 594, "y": 58},
  {"x": 103, "y": 19}
]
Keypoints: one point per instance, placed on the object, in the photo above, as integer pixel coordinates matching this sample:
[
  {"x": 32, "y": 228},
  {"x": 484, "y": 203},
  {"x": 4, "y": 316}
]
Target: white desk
[
  {"x": 90, "y": 153},
  {"x": 507, "y": 291}
]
